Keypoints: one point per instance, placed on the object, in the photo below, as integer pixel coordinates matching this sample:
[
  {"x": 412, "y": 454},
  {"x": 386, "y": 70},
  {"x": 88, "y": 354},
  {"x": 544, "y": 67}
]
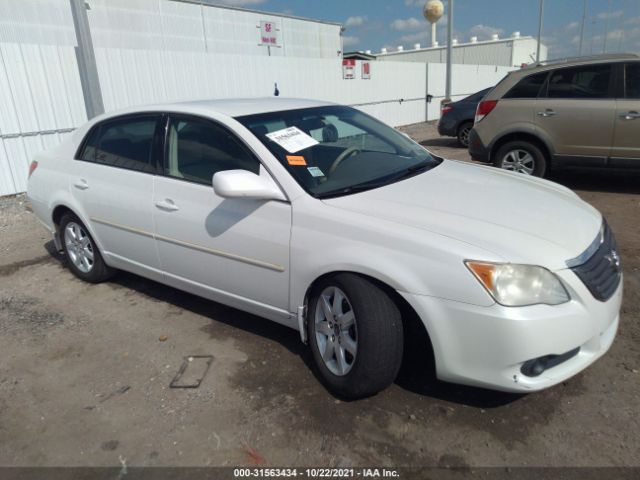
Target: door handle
[
  {"x": 630, "y": 115},
  {"x": 547, "y": 113},
  {"x": 81, "y": 184},
  {"x": 167, "y": 205}
]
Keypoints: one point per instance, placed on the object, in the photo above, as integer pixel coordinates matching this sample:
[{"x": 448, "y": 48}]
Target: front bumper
[
  {"x": 487, "y": 346},
  {"x": 477, "y": 149}
]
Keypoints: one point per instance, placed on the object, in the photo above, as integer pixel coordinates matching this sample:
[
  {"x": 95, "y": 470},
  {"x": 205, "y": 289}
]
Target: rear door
[
  {"x": 626, "y": 140},
  {"x": 577, "y": 114},
  {"x": 113, "y": 182}
]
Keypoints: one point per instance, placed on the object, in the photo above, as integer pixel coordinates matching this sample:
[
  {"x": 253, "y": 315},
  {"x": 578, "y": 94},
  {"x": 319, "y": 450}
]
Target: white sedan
[{"x": 321, "y": 218}]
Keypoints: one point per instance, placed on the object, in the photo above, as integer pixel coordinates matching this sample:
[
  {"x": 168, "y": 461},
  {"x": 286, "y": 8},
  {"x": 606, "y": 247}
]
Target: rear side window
[
  {"x": 528, "y": 87},
  {"x": 124, "y": 143},
  {"x": 590, "y": 81},
  {"x": 632, "y": 80}
]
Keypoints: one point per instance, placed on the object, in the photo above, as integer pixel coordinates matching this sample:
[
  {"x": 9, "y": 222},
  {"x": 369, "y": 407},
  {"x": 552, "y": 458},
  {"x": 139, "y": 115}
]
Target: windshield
[{"x": 337, "y": 150}]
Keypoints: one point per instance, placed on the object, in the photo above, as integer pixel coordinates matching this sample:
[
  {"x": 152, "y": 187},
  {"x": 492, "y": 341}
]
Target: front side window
[
  {"x": 632, "y": 81},
  {"x": 197, "y": 149},
  {"x": 336, "y": 150},
  {"x": 124, "y": 143},
  {"x": 528, "y": 87},
  {"x": 587, "y": 82}
]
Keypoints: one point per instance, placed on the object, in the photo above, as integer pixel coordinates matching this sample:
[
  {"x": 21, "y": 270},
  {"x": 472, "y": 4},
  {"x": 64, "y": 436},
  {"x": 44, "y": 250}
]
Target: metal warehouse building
[{"x": 509, "y": 52}]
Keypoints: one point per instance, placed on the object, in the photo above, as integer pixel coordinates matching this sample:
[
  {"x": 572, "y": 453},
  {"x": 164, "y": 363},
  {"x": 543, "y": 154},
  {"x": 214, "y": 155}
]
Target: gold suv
[{"x": 579, "y": 112}]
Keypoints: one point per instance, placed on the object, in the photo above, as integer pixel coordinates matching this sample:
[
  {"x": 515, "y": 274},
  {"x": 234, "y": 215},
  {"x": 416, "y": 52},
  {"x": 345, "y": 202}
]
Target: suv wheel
[
  {"x": 463, "y": 133},
  {"x": 356, "y": 336},
  {"x": 522, "y": 157}
]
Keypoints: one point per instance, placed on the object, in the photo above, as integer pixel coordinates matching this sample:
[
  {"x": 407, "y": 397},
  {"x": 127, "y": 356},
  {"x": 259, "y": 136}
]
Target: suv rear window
[
  {"x": 591, "y": 81},
  {"x": 528, "y": 87},
  {"x": 123, "y": 142}
]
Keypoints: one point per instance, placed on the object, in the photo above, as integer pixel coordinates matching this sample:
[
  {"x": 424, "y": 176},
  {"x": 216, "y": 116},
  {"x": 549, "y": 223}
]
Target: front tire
[
  {"x": 356, "y": 336},
  {"x": 83, "y": 257},
  {"x": 522, "y": 157}
]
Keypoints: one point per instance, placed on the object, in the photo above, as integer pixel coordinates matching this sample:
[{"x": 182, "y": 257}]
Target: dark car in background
[{"x": 456, "y": 118}]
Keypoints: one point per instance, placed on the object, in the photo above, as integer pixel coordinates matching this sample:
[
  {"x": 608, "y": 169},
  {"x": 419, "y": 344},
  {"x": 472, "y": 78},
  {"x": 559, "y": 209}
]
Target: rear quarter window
[{"x": 528, "y": 87}]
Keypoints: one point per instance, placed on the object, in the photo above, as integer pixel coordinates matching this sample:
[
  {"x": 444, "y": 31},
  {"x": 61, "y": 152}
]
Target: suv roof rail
[{"x": 586, "y": 58}]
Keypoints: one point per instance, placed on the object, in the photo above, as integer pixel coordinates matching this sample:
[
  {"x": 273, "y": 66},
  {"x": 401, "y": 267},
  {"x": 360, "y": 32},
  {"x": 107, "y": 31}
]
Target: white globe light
[{"x": 433, "y": 10}]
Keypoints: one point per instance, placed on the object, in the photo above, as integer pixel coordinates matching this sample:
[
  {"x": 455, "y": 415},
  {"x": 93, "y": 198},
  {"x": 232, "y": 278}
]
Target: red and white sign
[
  {"x": 268, "y": 34},
  {"x": 348, "y": 69},
  {"x": 366, "y": 70}
]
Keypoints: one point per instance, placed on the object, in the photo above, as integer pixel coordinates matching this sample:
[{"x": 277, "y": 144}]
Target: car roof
[{"x": 231, "y": 107}]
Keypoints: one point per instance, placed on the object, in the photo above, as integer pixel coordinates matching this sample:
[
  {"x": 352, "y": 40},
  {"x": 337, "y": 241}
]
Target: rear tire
[
  {"x": 357, "y": 342},
  {"x": 82, "y": 254},
  {"x": 522, "y": 157},
  {"x": 463, "y": 133}
]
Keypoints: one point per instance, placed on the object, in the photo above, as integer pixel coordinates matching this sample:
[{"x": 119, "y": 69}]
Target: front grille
[{"x": 601, "y": 273}]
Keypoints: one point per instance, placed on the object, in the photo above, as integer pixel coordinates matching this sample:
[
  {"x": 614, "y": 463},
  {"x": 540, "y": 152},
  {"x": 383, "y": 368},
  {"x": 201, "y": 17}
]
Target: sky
[{"x": 374, "y": 24}]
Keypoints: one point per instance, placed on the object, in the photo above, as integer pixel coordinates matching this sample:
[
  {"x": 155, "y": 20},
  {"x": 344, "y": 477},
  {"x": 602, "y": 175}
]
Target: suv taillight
[
  {"x": 446, "y": 109},
  {"x": 484, "y": 109},
  {"x": 32, "y": 168}
]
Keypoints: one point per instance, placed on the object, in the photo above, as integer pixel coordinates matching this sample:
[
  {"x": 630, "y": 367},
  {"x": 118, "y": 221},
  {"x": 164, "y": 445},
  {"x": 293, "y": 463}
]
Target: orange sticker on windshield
[{"x": 296, "y": 160}]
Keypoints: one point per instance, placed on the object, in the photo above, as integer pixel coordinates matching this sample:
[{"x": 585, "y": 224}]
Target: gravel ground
[{"x": 85, "y": 373}]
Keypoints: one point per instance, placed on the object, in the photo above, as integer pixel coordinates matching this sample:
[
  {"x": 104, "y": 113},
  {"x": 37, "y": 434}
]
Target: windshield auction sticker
[{"x": 292, "y": 139}]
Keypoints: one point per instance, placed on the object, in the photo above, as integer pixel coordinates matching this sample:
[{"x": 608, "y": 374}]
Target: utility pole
[
  {"x": 584, "y": 19},
  {"x": 449, "y": 49},
  {"x": 540, "y": 30},
  {"x": 86, "y": 59}
]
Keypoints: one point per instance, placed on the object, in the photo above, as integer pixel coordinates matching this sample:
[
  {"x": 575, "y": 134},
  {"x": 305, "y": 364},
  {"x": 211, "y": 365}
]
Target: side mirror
[{"x": 244, "y": 184}]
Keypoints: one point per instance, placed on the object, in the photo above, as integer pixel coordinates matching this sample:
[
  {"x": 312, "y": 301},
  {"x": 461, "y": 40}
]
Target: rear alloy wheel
[
  {"x": 463, "y": 133},
  {"x": 355, "y": 333},
  {"x": 84, "y": 259},
  {"x": 521, "y": 157}
]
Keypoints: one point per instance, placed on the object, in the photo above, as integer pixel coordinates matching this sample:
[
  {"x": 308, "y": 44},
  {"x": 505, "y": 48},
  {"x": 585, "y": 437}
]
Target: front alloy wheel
[
  {"x": 355, "y": 335},
  {"x": 336, "y": 331}
]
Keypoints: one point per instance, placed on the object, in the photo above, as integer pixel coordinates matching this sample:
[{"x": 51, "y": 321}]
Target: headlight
[{"x": 519, "y": 285}]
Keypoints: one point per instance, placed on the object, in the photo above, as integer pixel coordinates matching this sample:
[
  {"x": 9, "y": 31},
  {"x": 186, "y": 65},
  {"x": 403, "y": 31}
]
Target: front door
[
  {"x": 235, "y": 251},
  {"x": 626, "y": 139},
  {"x": 577, "y": 113}
]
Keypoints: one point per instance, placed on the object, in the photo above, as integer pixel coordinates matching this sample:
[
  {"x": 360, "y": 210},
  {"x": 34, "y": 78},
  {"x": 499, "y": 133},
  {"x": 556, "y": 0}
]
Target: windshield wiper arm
[{"x": 352, "y": 189}]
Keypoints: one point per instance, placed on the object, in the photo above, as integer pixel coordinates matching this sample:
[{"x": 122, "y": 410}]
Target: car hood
[{"x": 518, "y": 218}]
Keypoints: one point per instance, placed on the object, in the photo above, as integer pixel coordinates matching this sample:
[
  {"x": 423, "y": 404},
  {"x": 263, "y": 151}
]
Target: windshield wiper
[
  {"x": 351, "y": 189},
  {"x": 406, "y": 173},
  {"x": 411, "y": 171}
]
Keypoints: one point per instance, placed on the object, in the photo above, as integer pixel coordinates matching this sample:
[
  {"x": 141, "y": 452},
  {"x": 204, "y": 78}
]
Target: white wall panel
[{"x": 40, "y": 96}]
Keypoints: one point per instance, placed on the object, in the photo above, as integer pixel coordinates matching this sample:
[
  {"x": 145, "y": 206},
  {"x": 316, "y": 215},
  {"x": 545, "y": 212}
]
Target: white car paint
[{"x": 262, "y": 256}]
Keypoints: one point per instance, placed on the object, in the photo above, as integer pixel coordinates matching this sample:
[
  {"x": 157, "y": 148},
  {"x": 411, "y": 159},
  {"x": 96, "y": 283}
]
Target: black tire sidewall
[
  {"x": 540, "y": 168},
  {"x": 369, "y": 374},
  {"x": 100, "y": 271}
]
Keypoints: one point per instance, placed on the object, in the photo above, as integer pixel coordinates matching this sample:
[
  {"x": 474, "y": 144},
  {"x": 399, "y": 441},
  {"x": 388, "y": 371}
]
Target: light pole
[
  {"x": 540, "y": 30},
  {"x": 449, "y": 50},
  {"x": 584, "y": 19}
]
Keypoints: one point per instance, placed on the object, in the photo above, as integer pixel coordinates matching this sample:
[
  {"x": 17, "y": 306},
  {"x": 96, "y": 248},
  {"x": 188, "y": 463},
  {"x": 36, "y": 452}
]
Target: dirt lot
[{"x": 84, "y": 378}]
